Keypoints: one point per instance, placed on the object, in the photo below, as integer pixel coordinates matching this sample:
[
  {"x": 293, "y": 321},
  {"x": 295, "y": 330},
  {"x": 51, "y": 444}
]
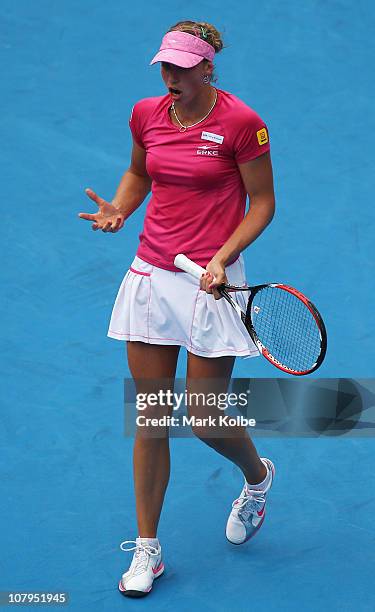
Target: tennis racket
[{"x": 282, "y": 322}]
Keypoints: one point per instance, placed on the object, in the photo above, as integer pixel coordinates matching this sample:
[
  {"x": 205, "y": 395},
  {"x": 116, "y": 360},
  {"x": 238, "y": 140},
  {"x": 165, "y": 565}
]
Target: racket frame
[{"x": 246, "y": 318}]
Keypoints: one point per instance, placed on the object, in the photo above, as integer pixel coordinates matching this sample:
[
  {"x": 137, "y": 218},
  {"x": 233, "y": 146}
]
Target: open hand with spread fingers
[{"x": 108, "y": 218}]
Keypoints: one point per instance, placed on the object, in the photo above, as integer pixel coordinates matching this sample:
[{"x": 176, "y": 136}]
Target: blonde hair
[{"x": 203, "y": 30}]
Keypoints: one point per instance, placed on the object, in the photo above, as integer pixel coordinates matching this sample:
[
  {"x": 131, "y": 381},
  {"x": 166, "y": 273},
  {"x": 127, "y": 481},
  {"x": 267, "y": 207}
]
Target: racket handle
[{"x": 189, "y": 266}]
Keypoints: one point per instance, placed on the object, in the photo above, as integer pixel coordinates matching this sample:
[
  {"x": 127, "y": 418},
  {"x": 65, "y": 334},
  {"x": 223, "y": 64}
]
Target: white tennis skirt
[{"x": 158, "y": 306}]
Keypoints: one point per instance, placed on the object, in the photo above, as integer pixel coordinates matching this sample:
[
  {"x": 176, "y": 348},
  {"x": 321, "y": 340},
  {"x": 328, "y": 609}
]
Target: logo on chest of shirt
[{"x": 209, "y": 150}]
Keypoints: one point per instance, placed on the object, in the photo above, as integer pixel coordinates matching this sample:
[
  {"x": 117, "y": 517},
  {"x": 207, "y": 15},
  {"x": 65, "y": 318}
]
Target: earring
[{"x": 206, "y": 79}]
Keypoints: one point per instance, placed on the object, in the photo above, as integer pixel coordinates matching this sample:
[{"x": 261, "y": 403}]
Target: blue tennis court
[{"x": 72, "y": 74}]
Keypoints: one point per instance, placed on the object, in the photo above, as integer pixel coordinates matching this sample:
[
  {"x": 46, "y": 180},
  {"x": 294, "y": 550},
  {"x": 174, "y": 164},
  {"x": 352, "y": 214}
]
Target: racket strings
[{"x": 286, "y": 327}]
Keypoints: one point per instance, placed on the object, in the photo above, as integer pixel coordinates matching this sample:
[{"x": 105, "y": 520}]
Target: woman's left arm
[{"x": 258, "y": 180}]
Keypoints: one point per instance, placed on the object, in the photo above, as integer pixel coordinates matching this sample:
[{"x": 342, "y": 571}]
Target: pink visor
[{"x": 183, "y": 49}]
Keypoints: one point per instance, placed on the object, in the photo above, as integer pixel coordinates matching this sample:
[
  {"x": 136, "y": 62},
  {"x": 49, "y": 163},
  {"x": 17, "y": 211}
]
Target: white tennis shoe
[
  {"x": 248, "y": 511},
  {"x": 144, "y": 568}
]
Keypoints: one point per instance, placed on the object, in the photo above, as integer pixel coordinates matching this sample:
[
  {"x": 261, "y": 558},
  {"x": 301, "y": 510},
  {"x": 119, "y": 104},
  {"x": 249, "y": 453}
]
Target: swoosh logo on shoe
[
  {"x": 261, "y": 512},
  {"x": 157, "y": 568}
]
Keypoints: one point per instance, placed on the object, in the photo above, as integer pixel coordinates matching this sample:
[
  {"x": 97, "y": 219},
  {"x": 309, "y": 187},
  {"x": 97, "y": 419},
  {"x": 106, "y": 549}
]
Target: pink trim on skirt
[{"x": 157, "y": 306}]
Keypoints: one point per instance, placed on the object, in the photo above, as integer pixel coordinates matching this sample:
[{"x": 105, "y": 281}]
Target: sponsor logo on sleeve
[{"x": 262, "y": 136}]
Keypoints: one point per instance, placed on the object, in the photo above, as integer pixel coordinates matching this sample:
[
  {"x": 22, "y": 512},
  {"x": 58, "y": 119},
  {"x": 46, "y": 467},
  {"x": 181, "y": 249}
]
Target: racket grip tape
[{"x": 189, "y": 266}]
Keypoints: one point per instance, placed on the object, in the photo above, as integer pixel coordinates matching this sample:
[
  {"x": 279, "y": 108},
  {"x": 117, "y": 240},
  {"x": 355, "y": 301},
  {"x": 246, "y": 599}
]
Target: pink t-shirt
[{"x": 198, "y": 197}]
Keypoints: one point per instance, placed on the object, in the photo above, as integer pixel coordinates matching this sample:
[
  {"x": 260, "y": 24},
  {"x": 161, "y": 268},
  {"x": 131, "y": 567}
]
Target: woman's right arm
[{"x": 134, "y": 186}]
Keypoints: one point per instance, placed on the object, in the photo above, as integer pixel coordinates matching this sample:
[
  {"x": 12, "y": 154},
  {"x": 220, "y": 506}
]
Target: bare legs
[
  {"x": 239, "y": 447},
  {"x": 151, "y": 459},
  {"x": 150, "y": 363}
]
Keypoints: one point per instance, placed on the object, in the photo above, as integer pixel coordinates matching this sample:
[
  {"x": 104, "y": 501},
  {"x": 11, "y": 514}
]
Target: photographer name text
[{"x": 223, "y": 420}]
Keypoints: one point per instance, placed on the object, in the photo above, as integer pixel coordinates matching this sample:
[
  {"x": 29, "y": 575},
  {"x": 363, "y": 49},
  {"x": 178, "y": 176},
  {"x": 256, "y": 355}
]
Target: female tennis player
[{"x": 200, "y": 151}]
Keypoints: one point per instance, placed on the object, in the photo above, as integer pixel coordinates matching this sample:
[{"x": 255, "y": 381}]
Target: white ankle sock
[{"x": 151, "y": 541}]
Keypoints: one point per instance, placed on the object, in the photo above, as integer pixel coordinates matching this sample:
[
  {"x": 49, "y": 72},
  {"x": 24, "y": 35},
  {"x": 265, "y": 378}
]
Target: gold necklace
[{"x": 183, "y": 127}]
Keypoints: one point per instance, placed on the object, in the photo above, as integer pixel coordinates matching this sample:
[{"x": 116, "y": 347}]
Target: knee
[
  {"x": 199, "y": 432},
  {"x": 204, "y": 433}
]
